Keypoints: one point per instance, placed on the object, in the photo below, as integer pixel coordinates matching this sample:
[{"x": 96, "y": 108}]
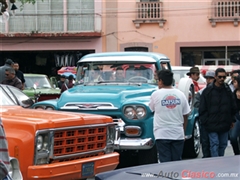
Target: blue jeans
[
  {"x": 218, "y": 143},
  {"x": 169, "y": 150},
  {"x": 234, "y": 135}
]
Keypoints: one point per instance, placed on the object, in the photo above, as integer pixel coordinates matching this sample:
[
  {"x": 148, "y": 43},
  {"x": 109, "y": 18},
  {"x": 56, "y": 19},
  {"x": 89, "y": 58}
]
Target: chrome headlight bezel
[
  {"x": 111, "y": 136},
  {"x": 43, "y": 147},
  {"x": 129, "y": 112},
  {"x": 137, "y": 112}
]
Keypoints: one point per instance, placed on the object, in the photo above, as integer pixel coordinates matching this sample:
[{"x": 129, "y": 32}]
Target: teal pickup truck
[{"x": 99, "y": 89}]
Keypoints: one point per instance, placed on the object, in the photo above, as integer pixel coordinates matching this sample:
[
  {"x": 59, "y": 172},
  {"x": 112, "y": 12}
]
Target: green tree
[{"x": 27, "y": 1}]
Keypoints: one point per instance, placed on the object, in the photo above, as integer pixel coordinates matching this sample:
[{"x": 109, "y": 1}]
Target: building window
[
  {"x": 143, "y": 49},
  {"x": 210, "y": 56}
]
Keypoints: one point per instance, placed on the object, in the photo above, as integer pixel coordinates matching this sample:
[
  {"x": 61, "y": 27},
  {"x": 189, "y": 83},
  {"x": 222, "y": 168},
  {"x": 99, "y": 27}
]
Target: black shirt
[{"x": 20, "y": 76}]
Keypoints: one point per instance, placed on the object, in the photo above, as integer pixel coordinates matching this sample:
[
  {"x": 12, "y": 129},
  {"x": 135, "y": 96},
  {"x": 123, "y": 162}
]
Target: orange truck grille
[{"x": 67, "y": 142}]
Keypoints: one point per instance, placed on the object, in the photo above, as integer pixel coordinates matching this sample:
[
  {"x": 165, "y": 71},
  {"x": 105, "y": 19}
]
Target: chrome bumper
[
  {"x": 129, "y": 143},
  {"x": 133, "y": 144},
  {"x": 15, "y": 172}
]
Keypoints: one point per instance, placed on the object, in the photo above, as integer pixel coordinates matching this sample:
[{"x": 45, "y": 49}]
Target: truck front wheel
[{"x": 192, "y": 145}]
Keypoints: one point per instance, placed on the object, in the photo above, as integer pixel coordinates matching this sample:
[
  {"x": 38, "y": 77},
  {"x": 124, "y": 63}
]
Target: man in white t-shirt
[{"x": 171, "y": 111}]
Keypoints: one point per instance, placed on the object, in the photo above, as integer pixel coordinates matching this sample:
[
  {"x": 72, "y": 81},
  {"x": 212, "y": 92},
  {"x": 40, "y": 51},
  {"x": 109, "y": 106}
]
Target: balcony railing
[
  {"x": 70, "y": 23},
  {"x": 149, "y": 12},
  {"x": 225, "y": 11}
]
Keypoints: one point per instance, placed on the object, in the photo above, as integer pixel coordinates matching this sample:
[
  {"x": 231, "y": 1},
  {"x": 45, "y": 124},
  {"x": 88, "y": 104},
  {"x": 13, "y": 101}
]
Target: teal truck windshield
[{"x": 112, "y": 72}]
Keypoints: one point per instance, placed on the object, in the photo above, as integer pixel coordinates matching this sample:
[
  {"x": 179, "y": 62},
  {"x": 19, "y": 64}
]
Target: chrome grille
[
  {"x": 90, "y": 105},
  {"x": 67, "y": 142}
]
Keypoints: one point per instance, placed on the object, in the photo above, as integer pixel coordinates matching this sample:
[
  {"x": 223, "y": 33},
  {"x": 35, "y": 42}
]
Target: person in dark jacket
[
  {"x": 19, "y": 74},
  {"x": 11, "y": 79},
  {"x": 68, "y": 85},
  {"x": 61, "y": 81},
  {"x": 217, "y": 111},
  {"x": 209, "y": 76},
  {"x": 235, "y": 131},
  {"x": 8, "y": 64}
]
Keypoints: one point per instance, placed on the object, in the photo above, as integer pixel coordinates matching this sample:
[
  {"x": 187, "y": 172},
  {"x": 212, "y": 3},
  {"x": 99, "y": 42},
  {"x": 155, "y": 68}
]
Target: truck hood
[
  {"x": 50, "y": 119},
  {"x": 114, "y": 94}
]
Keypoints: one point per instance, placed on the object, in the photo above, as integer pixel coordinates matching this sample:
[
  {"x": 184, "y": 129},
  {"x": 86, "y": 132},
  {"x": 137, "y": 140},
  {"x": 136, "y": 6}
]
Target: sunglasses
[{"x": 222, "y": 77}]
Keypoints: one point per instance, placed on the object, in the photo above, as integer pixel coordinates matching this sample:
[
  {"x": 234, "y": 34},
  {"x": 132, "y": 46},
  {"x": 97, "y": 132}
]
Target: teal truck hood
[{"x": 114, "y": 94}]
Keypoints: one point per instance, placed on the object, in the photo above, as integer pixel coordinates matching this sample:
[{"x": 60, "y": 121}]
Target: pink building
[
  {"x": 189, "y": 32},
  {"x": 47, "y": 35},
  {"x": 57, "y": 33}
]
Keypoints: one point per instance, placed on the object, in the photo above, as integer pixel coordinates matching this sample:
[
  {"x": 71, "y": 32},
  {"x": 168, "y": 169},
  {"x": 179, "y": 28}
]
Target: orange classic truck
[{"x": 59, "y": 145}]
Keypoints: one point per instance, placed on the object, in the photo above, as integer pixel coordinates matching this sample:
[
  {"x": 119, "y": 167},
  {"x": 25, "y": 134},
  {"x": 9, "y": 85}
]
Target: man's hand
[{"x": 232, "y": 125}]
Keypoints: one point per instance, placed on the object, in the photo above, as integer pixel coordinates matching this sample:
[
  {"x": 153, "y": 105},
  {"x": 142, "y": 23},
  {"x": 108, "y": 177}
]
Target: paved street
[{"x": 228, "y": 152}]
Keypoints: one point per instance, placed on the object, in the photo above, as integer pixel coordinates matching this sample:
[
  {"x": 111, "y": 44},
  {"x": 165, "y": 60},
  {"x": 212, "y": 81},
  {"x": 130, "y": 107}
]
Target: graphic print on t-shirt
[{"x": 171, "y": 101}]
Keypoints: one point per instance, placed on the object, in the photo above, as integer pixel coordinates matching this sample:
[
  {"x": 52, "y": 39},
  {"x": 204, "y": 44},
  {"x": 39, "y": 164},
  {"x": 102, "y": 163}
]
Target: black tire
[
  {"x": 148, "y": 156},
  {"x": 192, "y": 145}
]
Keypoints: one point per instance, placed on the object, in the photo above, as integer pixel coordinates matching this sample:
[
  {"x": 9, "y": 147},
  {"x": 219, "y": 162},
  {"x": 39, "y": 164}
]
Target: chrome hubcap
[{"x": 196, "y": 137}]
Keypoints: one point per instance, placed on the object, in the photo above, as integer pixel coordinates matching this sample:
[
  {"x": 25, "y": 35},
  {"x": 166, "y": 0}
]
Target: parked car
[
  {"x": 56, "y": 145},
  {"x": 217, "y": 168},
  {"x": 181, "y": 72},
  {"x": 16, "y": 96},
  {"x": 125, "y": 101},
  {"x": 44, "y": 87}
]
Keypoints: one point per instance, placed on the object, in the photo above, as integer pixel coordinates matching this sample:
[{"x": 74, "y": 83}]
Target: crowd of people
[
  {"x": 218, "y": 105},
  {"x": 11, "y": 75}
]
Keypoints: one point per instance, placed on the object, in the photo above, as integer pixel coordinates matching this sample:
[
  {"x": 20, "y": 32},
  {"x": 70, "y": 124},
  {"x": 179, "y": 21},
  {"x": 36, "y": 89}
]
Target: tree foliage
[
  {"x": 4, "y": 4},
  {"x": 27, "y": 1}
]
